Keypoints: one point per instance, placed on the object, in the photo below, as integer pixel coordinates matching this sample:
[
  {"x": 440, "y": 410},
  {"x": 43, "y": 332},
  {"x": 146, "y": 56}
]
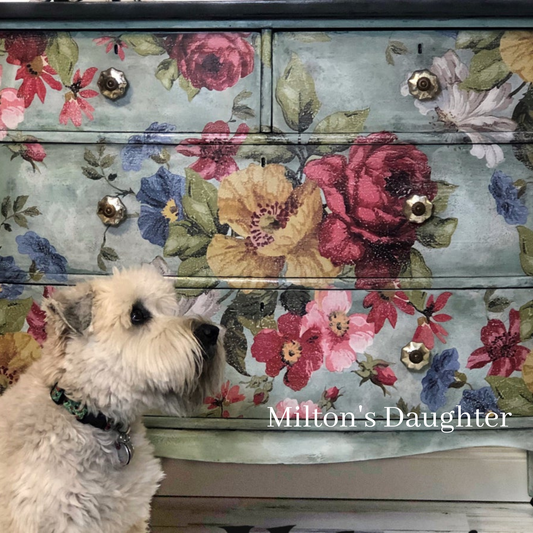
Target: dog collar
[{"x": 100, "y": 421}]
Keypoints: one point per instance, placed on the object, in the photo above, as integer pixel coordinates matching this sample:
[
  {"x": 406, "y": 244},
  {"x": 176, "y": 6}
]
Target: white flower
[
  {"x": 474, "y": 113},
  {"x": 206, "y": 305}
]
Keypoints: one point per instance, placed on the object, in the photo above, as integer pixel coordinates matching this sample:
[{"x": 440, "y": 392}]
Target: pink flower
[
  {"x": 11, "y": 109},
  {"x": 343, "y": 336},
  {"x": 34, "y": 152},
  {"x": 112, "y": 43},
  {"x": 215, "y": 150},
  {"x": 501, "y": 348},
  {"x": 212, "y": 60},
  {"x": 428, "y": 324},
  {"x": 383, "y": 304},
  {"x": 75, "y": 101},
  {"x": 292, "y": 348},
  {"x": 384, "y": 376},
  {"x": 332, "y": 394},
  {"x": 295, "y": 408},
  {"x": 36, "y": 318},
  {"x": 259, "y": 398},
  {"x": 227, "y": 396}
]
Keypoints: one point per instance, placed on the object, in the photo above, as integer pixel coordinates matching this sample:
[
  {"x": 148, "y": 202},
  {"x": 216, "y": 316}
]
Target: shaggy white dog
[{"x": 71, "y": 424}]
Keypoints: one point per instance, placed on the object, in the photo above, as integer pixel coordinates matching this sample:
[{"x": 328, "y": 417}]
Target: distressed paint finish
[{"x": 296, "y": 241}]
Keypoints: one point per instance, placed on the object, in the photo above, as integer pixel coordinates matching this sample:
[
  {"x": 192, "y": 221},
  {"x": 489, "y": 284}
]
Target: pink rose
[
  {"x": 332, "y": 394},
  {"x": 34, "y": 151},
  {"x": 215, "y": 61},
  {"x": 384, "y": 376},
  {"x": 294, "y": 408},
  {"x": 366, "y": 194}
]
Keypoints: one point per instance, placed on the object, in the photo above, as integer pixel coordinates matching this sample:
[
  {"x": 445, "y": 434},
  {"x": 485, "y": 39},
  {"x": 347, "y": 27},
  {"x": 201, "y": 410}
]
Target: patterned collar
[{"x": 80, "y": 411}]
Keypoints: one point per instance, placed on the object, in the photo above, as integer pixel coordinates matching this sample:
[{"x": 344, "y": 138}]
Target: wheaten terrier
[{"x": 73, "y": 452}]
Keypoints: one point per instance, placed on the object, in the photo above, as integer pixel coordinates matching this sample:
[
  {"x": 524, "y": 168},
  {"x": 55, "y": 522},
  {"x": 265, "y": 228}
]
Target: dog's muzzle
[{"x": 207, "y": 336}]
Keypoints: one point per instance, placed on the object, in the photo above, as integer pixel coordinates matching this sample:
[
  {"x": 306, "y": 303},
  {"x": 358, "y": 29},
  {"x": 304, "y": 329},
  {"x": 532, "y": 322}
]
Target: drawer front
[
  {"x": 217, "y": 215},
  {"x": 328, "y": 82},
  {"x": 343, "y": 351},
  {"x": 62, "y": 81}
]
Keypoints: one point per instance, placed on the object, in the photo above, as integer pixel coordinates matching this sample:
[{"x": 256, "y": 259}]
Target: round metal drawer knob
[
  {"x": 111, "y": 210},
  {"x": 415, "y": 355},
  {"x": 423, "y": 84},
  {"x": 112, "y": 83},
  {"x": 417, "y": 209}
]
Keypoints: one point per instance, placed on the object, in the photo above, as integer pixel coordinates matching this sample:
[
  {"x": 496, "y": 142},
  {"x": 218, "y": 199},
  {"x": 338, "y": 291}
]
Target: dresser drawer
[
  {"x": 252, "y": 228},
  {"x": 63, "y": 80}
]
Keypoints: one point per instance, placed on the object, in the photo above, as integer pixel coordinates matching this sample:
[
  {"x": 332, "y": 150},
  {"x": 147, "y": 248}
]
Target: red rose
[
  {"x": 216, "y": 61},
  {"x": 366, "y": 195},
  {"x": 34, "y": 151},
  {"x": 384, "y": 376},
  {"x": 259, "y": 398},
  {"x": 332, "y": 394}
]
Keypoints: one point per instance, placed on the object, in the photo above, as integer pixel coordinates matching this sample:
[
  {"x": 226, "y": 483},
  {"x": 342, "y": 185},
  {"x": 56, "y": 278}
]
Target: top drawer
[
  {"x": 360, "y": 77},
  {"x": 57, "y": 80}
]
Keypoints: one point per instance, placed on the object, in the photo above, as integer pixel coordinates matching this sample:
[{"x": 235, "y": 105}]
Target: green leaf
[
  {"x": 523, "y": 116},
  {"x": 186, "y": 239},
  {"x": 31, "y": 211},
  {"x": 204, "y": 196},
  {"x": 107, "y": 161},
  {"x": 100, "y": 263},
  {"x": 255, "y": 326},
  {"x": 6, "y": 206},
  {"x": 498, "y": 305},
  {"x": 417, "y": 270},
  {"x": 243, "y": 112},
  {"x": 343, "y": 122},
  {"x": 460, "y": 380},
  {"x": 109, "y": 254},
  {"x": 235, "y": 343},
  {"x": 525, "y": 239},
  {"x": 144, "y": 44},
  {"x": 21, "y": 220},
  {"x": 91, "y": 173},
  {"x": 487, "y": 70},
  {"x": 13, "y": 314},
  {"x": 195, "y": 267},
  {"x": 436, "y": 232},
  {"x": 20, "y": 202},
  {"x": 199, "y": 212},
  {"x": 527, "y": 371},
  {"x": 417, "y": 298},
  {"x": 271, "y": 153},
  {"x": 167, "y": 73},
  {"x": 35, "y": 274},
  {"x": 191, "y": 91},
  {"x": 295, "y": 299},
  {"x": 444, "y": 190},
  {"x": 90, "y": 158},
  {"x": 395, "y": 48},
  {"x": 243, "y": 95},
  {"x": 255, "y": 305},
  {"x": 162, "y": 158},
  {"x": 513, "y": 395},
  {"x": 478, "y": 40},
  {"x": 526, "y": 321},
  {"x": 62, "y": 53},
  {"x": 296, "y": 95}
]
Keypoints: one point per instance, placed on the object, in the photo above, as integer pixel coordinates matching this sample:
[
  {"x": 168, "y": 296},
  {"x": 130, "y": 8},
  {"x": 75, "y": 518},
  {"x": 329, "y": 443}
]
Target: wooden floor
[{"x": 203, "y": 515}]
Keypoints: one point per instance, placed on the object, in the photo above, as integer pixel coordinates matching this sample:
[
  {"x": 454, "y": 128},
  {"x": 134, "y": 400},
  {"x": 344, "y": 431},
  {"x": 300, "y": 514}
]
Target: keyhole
[
  {"x": 263, "y": 161},
  {"x": 419, "y": 48}
]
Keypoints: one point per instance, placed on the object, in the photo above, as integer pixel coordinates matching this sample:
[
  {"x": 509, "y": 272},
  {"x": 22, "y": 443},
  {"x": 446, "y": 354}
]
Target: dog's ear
[{"x": 71, "y": 308}]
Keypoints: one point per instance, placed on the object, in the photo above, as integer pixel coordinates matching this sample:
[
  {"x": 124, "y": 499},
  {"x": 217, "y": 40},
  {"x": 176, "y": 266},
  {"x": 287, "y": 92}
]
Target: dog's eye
[{"x": 139, "y": 315}]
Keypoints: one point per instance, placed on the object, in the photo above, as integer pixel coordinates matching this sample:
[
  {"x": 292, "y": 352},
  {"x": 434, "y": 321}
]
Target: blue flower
[
  {"x": 11, "y": 277},
  {"x": 482, "y": 399},
  {"x": 438, "y": 378},
  {"x": 44, "y": 255},
  {"x": 508, "y": 204},
  {"x": 141, "y": 147},
  {"x": 160, "y": 196}
]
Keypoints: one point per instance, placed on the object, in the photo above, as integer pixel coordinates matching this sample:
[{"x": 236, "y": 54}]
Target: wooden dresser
[{"x": 347, "y": 188}]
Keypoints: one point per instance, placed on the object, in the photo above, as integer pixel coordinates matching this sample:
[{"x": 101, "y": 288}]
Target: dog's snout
[{"x": 207, "y": 335}]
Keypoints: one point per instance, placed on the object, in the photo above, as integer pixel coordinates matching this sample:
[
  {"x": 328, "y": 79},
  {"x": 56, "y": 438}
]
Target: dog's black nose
[{"x": 207, "y": 336}]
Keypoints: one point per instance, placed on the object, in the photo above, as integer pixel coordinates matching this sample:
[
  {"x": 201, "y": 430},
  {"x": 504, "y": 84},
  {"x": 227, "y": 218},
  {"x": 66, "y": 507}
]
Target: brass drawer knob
[
  {"x": 423, "y": 84},
  {"x": 415, "y": 356},
  {"x": 112, "y": 83},
  {"x": 111, "y": 210},
  {"x": 417, "y": 209}
]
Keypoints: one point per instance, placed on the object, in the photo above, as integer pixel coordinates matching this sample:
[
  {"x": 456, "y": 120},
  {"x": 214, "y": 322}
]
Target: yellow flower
[
  {"x": 516, "y": 49},
  {"x": 276, "y": 224},
  {"x": 17, "y": 352}
]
